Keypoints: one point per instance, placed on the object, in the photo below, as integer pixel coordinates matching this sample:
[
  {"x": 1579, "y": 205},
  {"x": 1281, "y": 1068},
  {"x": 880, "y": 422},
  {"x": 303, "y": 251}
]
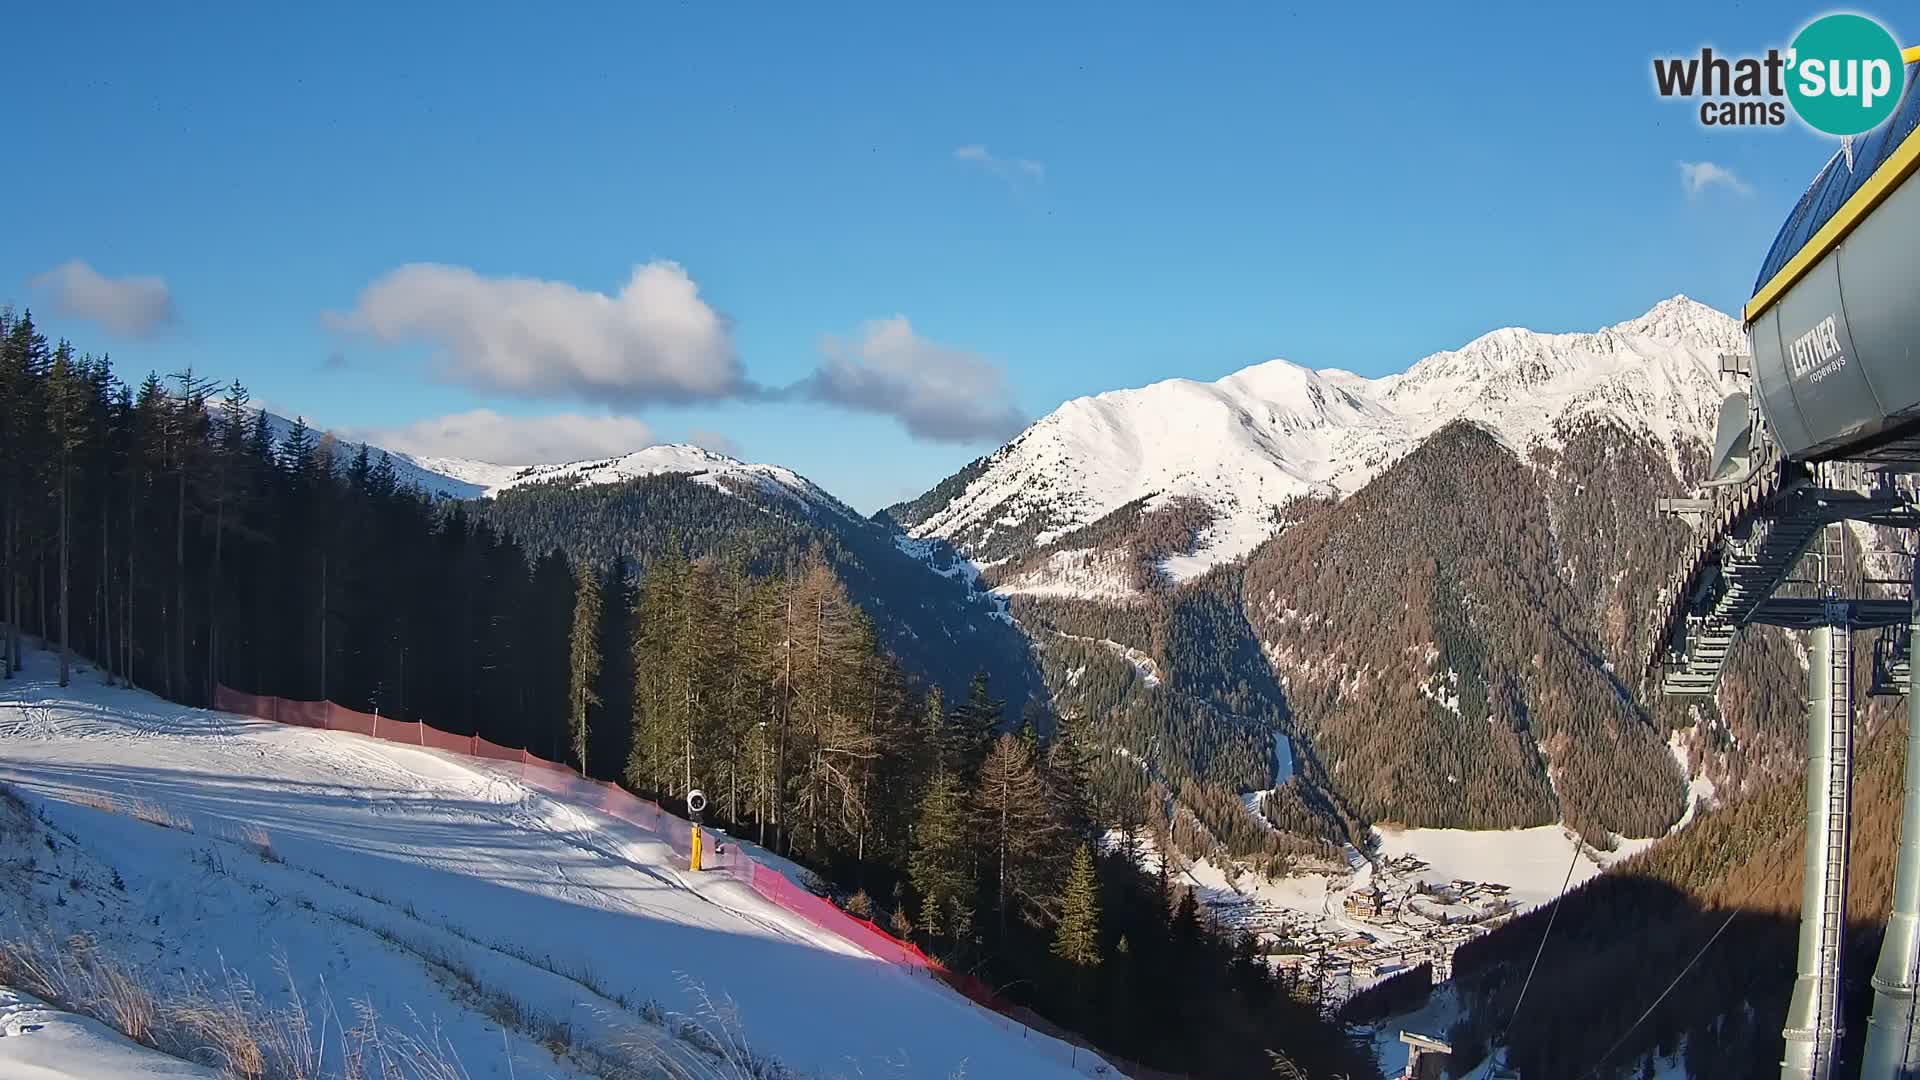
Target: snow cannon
[
  {"x": 696, "y": 804},
  {"x": 1835, "y": 313}
]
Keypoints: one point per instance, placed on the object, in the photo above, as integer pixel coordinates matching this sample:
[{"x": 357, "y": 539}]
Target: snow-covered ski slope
[{"x": 385, "y": 856}]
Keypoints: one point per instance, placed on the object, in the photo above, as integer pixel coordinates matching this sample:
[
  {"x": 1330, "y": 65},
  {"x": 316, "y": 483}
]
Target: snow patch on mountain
[
  {"x": 1100, "y": 573},
  {"x": 1246, "y": 444}
]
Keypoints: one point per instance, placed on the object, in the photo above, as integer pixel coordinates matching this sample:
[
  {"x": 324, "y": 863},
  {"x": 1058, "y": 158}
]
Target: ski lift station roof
[{"x": 1835, "y": 314}]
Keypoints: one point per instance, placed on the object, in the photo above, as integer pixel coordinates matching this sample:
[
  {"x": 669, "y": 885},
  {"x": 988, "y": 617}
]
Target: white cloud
[
  {"x": 936, "y": 392},
  {"x": 656, "y": 340},
  {"x": 1698, "y": 176},
  {"x": 132, "y": 307},
  {"x": 1012, "y": 170},
  {"x": 485, "y": 435}
]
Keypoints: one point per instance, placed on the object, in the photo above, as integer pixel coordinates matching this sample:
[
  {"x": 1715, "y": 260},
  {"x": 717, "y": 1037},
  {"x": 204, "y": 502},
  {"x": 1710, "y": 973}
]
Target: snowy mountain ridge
[
  {"x": 706, "y": 466},
  {"x": 465, "y": 478},
  {"x": 1247, "y": 443}
]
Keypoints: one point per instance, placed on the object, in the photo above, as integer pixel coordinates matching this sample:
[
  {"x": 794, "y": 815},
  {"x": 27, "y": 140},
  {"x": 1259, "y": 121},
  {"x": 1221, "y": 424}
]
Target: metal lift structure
[{"x": 1824, "y": 432}]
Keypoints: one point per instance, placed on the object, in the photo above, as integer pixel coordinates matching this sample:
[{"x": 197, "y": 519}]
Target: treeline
[
  {"x": 1130, "y": 539},
  {"x": 182, "y": 539}
]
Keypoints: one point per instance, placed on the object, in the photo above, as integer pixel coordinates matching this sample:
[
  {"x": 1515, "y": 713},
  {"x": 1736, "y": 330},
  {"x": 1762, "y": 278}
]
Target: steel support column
[
  {"x": 1813, "y": 1018},
  {"x": 1893, "y": 1035}
]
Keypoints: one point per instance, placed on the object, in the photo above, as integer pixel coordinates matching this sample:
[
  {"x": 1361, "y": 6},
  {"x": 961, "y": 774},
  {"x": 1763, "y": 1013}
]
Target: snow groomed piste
[
  {"x": 392, "y": 860},
  {"x": 730, "y": 861}
]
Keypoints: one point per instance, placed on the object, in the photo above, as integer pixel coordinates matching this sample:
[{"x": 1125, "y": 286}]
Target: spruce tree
[
  {"x": 941, "y": 861},
  {"x": 1076, "y": 939},
  {"x": 68, "y": 415},
  {"x": 1070, "y": 761},
  {"x": 976, "y": 723},
  {"x": 584, "y": 668}
]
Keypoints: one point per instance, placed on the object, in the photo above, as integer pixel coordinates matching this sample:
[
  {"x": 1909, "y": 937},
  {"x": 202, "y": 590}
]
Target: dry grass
[
  {"x": 97, "y": 800},
  {"x": 155, "y": 814},
  {"x": 223, "y": 1023},
  {"x": 256, "y": 839},
  {"x": 139, "y": 809},
  {"x": 707, "y": 1044}
]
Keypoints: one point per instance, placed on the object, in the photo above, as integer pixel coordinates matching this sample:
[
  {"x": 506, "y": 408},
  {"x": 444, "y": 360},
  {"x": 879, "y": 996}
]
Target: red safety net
[
  {"x": 339, "y": 719},
  {"x": 493, "y": 751},
  {"x": 718, "y": 856}
]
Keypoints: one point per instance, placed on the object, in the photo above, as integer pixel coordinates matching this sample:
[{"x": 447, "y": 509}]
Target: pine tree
[
  {"x": 941, "y": 862},
  {"x": 1186, "y": 921},
  {"x": 1076, "y": 939},
  {"x": 976, "y": 723},
  {"x": 1070, "y": 760},
  {"x": 23, "y": 436},
  {"x": 1013, "y": 813},
  {"x": 68, "y": 414},
  {"x": 584, "y": 670}
]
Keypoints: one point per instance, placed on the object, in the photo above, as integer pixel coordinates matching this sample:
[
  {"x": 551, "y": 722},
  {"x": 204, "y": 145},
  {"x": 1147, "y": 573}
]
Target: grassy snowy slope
[
  {"x": 427, "y": 887},
  {"x": 39, "y": 1042}
]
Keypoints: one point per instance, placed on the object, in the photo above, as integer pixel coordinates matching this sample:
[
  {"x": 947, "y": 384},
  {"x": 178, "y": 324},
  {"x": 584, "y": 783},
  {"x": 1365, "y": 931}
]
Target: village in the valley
[{"x": 1338, "y": 931}]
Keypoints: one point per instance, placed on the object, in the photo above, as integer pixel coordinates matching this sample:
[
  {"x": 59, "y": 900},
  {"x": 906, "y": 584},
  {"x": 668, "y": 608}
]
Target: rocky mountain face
[
  {"x": 1431, "y": 585},
  {"x": 1237, "y": 452}
]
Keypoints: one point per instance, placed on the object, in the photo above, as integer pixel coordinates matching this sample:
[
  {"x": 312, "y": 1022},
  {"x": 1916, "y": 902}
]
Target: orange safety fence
[{"x": 719, "y": 856}]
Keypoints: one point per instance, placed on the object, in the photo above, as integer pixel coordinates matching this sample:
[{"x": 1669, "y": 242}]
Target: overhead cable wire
[
  {"x": 1500, "y": 1040},
  {"x": 1631, "y": 1028}
]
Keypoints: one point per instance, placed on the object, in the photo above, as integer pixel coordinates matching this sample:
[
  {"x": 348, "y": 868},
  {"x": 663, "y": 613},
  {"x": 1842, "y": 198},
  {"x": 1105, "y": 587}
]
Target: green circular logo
[{"x": 1845, "y": 74}]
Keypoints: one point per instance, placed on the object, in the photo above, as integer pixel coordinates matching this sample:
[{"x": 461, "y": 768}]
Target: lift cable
[
  {"x": 1595, "y": 1071},
  {"x": 1551, "y": 916}
]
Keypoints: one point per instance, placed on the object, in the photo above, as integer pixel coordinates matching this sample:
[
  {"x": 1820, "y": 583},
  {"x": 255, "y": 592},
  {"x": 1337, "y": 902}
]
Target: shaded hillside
[
  {"x": 1188, "y": 715},
  {"x": 1445, "y": 670},
  {"x": 1621, "y": 938},
  {"x": 936, "y": 623}
]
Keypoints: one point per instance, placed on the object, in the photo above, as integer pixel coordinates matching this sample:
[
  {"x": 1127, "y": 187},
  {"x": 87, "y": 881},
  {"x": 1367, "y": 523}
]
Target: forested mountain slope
[
  {"x": 1438, "y": 660},
  {"x": 938, "y": 623},
  {"x": 1446, "y": 621}
]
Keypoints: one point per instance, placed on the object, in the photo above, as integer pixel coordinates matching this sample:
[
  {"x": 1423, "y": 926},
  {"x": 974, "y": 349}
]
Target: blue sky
[{"x": 898, "y": 230}]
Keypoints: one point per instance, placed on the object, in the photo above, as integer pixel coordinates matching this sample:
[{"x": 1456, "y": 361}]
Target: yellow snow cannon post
[{"x": 696, "y": 802}]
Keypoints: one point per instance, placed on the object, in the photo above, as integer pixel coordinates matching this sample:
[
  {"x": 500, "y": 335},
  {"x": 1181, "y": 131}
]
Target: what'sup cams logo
[{"x": 1843, "y": 75}]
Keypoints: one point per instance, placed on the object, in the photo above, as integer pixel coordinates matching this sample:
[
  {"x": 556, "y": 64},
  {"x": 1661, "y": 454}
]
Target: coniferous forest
[{"x": 176, "y": 538}]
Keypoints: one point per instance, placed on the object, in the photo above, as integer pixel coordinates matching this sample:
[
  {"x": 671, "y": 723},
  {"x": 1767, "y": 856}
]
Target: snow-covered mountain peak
[
  {"x": 1296, "y": 397},
  {"x": 1680, "y": 318},
  {"x": 705, "y": 466},
  {"x": 1246, "y": 443}
]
